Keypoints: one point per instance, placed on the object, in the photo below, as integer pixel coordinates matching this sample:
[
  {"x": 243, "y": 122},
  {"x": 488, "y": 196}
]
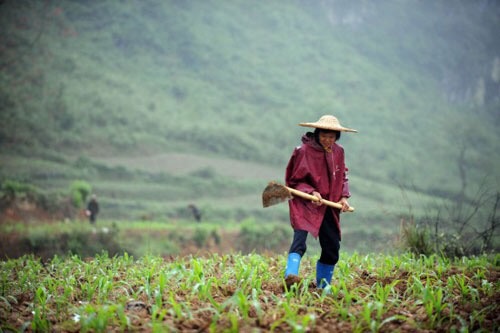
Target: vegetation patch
[{"x": 235, "y": 292}]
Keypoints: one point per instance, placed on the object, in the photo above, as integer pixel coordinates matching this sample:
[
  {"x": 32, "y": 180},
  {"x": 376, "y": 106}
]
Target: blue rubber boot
[
  {"x": 293, "y": 264},
  {"x": 324, "y": 274}
]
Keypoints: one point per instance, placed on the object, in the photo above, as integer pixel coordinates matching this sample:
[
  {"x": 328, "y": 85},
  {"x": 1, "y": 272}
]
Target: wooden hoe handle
[{"x": 313, "y": 198}]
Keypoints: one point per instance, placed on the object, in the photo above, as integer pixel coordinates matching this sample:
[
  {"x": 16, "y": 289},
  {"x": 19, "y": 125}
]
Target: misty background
[{"x": 161, "y": 104}]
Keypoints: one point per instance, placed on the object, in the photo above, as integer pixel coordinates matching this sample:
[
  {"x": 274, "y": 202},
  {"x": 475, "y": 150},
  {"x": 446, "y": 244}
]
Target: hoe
[{"x": 275, "y": 193}]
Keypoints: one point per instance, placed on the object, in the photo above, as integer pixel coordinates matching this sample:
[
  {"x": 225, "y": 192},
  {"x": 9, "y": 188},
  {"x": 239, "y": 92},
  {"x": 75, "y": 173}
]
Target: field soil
[
  {"x": 473, "y": 303},
  {"x": 404, "y": 313}
]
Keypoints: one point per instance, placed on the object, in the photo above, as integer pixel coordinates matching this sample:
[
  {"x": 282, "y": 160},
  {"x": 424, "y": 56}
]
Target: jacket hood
[{"x": 308, "y": 139}]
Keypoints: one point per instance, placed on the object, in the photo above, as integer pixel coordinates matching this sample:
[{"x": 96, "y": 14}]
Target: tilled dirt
[{"x": 335, "y": 312}]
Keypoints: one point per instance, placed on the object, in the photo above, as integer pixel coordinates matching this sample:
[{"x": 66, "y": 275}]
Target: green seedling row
[{"x": 236, "y": 292}]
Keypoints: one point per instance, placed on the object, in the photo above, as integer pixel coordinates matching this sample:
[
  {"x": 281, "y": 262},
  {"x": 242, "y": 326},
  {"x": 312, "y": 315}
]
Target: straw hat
[{"x": 328, "y": 122}]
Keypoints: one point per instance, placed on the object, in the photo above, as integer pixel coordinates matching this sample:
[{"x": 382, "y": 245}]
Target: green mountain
[{"x": 162, "y": 103}]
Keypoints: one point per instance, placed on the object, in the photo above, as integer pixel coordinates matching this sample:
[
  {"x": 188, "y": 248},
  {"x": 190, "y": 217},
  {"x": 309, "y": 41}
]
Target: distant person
[
  {"x": 196, "y": 212},
  {"x": 92, "y": 209},
  {"x": 317, "y": 167}
]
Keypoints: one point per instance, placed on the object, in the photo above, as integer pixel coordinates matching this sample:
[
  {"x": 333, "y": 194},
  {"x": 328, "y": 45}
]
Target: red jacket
[{"x": 312, "y": 168}]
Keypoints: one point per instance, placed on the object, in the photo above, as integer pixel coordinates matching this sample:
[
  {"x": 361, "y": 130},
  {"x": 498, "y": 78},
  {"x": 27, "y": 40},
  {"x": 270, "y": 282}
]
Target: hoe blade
[{"x": 275, "y": 193}]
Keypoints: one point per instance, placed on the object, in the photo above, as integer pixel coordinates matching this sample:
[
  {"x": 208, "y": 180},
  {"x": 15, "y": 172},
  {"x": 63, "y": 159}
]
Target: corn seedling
[{"x": 236, "y": 293}]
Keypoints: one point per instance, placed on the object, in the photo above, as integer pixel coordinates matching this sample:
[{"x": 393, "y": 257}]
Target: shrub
[
  {"x": 262, "y": 237},
  {"x": 50, "y": 202},
  {"x": 13, "y": 189},
  {"x": 80, "y": 191},
  {"x": 415, "y": 239},
  {"x": 83, "y": 243},
  {"x": 215, "y": 236},
  {"x": 200, "y": 237}
]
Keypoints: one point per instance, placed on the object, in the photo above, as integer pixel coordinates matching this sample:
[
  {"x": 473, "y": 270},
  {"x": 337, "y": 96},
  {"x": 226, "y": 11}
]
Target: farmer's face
[{"x": 327, "y": 139}]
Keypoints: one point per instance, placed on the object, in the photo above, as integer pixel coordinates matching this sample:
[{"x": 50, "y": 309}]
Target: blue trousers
[{"x": 329, "y": 240}]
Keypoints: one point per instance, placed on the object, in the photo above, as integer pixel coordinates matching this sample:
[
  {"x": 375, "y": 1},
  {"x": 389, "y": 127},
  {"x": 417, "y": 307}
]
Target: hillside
[{"x": 99, "y": 90}]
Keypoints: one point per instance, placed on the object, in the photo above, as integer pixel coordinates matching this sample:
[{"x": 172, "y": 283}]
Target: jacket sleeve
[{"x": 297, "y": 172}]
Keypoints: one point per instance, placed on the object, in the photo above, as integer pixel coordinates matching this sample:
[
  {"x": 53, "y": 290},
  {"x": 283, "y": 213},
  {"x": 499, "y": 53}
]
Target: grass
[
  {"x": 168, "y": 104},
  {"x": 235, "y": 292},
  {"x": 177, "y": 236},
  {"x": 201, "y": 78},
  {"x": 160, "y": 187},
  {"x": 138, "y": 238}
]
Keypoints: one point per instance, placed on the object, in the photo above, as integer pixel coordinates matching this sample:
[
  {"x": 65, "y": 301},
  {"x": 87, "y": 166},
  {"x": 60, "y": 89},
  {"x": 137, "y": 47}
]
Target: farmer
[
  {"x": 196, "y": 212},
  {"x": 92, "y": 209},
  {"x": 317, "y": 167}
]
